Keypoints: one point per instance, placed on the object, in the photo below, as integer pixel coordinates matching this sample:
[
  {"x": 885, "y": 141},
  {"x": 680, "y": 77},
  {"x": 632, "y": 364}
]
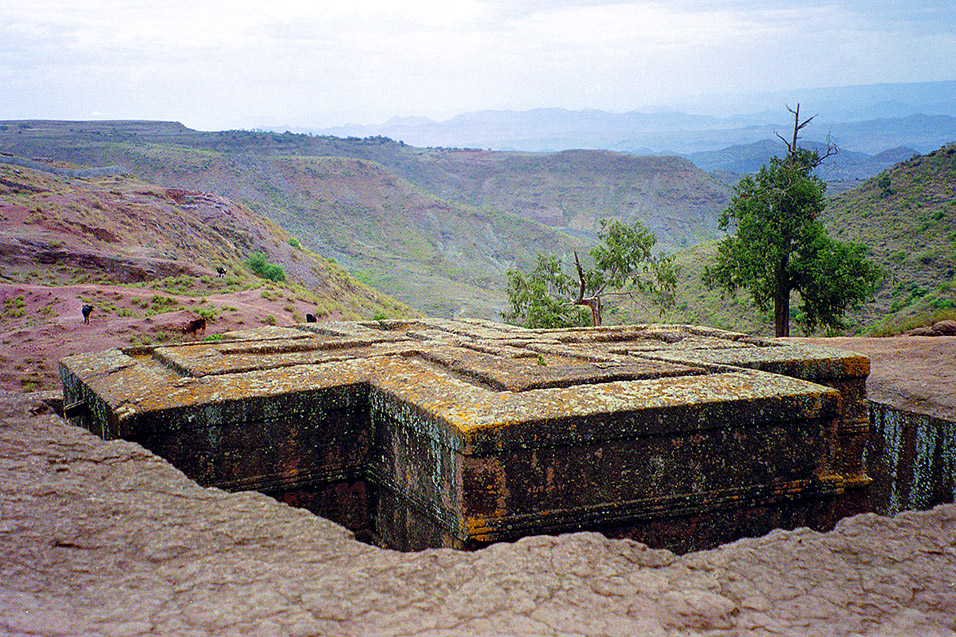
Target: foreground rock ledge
[
  {"x": 435, "y": 433},
  {"x": 104, "y": 538}
]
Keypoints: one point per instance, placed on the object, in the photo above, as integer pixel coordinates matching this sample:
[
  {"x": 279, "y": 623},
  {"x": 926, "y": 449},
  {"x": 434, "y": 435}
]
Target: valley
[
  {"x": 438, "y": 228},
  {"x": 435, "y": 228}
]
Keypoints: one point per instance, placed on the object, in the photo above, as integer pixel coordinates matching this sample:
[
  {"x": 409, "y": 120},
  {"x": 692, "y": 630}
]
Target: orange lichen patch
[
  {"x": 212, "y": 360},
  {"x": 789, "y": 359},
  {"x": 477, "y": 528}
]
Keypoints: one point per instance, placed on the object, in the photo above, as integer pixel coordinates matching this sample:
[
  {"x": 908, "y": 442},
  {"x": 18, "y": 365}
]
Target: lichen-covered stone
[
  {"x": 914, "y": 457},
  {"x": 461, "y": 433}
]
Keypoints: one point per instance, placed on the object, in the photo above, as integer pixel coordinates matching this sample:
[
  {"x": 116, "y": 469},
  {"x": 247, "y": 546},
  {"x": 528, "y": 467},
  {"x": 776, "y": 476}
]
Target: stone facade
[
  {"x": 436, "y": 433},
  {"x": 912, "y": 457}
]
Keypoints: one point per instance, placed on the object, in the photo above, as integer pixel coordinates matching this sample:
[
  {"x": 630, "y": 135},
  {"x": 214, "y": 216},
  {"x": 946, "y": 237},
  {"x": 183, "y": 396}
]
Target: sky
[{"x": 242, "y": 64}]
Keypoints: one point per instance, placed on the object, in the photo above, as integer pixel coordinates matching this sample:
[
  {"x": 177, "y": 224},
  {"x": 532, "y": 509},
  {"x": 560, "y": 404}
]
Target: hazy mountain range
[{"x": 917, "y": 117}]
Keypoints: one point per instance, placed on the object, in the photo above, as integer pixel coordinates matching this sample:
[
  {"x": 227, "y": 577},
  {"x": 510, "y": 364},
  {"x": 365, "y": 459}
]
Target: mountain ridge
[
  {"x": 439, "y": 227},
  {"x": 854, "y": 115}
]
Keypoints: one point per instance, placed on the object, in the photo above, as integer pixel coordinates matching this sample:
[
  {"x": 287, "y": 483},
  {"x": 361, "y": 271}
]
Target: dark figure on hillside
[
  {"x": 196, "y": 327},
  {"x": 87, "y": 310},
  {"x": 220, "y": 271},
  {"x": 310, "y": 318}
]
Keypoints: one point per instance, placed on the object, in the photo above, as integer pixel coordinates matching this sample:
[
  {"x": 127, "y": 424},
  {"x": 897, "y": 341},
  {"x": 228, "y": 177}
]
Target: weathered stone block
[{"x": 461, "y": 433}]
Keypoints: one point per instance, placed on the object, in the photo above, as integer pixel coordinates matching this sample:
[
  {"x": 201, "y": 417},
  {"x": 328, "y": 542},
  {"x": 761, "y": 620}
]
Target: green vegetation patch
[
  {"x": 259, "y": 264},
  {"x": 14, "y": 307}
]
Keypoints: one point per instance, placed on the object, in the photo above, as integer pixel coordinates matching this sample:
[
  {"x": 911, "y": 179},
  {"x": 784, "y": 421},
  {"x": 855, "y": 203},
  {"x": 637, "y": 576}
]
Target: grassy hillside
[
  {"x": 905, "y": 215},
  {"x": 65, "y": 230},
  {"x": 145, "y": 258},
  {"x": 444, "y": 258},
  {"x": 436, "y": 228}
]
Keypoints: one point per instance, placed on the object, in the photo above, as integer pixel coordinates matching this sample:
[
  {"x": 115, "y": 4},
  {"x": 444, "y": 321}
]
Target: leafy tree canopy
[
  {"x": 779, "y": 246},
  {"x": 623, "y": 265}
]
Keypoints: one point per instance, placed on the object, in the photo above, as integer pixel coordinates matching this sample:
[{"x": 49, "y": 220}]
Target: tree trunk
[
  {"x": 595, "y": 304},
  {"x": 796, "y": 128},
  {"x": 781, "y": 301},
  {"x": 781, "y": 316}
]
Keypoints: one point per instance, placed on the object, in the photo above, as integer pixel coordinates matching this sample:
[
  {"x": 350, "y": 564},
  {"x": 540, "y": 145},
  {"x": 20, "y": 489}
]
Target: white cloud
[{"x": 212, "y": 63}]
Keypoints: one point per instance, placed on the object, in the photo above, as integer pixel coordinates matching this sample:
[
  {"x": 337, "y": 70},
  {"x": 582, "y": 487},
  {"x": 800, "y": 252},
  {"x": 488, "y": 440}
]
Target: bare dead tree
[
  {"x": 593, "y": 301},
  {"x": 791, "y": 144}
]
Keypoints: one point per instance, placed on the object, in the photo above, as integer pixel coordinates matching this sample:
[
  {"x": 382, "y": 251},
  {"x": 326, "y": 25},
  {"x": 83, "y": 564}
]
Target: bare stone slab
[{"x": 461, "y": 433}]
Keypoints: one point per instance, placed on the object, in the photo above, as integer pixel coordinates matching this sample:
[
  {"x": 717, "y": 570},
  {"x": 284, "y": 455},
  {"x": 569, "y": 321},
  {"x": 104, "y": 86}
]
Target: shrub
[
  {"x": 885, "y": 184},
  {"x": 942, "y": 304},
  {"x": 259, "y": 265},
  {"x": 15, "y": 306},
  {"x": 893, "y": 325},
  {"x": 160, "y": 300}
]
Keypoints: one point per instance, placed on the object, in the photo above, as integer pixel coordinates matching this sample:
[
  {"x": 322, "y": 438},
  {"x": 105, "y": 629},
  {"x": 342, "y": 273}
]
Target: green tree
[
  {"x": 780, "y": 246},
  {"x": 623, "y": 265},
  {"x": 886, "y": 185}
]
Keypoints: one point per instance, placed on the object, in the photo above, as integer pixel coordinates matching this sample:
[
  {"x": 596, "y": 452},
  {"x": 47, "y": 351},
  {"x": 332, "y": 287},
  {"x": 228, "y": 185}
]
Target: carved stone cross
[{"x": 436, "y": 433}]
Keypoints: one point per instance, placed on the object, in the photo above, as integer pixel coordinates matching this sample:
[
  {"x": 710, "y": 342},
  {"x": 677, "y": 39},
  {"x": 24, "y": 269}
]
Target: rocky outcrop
[
  {"x": 122, "y": 269},
  {"x": 105, "y": 538},
  {"x": 939, "y": 328}
]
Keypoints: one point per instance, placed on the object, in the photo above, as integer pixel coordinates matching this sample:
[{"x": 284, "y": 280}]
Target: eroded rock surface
[
  {"x": 912, "y": 373},
  {"x": 104, "y": 538}
]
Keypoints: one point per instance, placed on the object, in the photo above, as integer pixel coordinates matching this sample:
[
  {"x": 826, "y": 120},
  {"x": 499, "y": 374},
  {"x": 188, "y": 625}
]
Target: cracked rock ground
[{"x": 103, "y": 538}]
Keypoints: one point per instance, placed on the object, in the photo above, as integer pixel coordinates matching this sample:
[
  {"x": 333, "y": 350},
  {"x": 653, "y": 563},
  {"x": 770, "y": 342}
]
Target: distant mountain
[
  {"x": 846, "y": 103},
  {"x": 868, "y": 119},
  {"x": 539, "y": 130},
  {"x": 845, "y": 165}
]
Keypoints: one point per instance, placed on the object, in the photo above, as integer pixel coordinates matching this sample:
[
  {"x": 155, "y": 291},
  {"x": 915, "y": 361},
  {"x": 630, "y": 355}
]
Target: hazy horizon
[{"x": 222, "y": 65}]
